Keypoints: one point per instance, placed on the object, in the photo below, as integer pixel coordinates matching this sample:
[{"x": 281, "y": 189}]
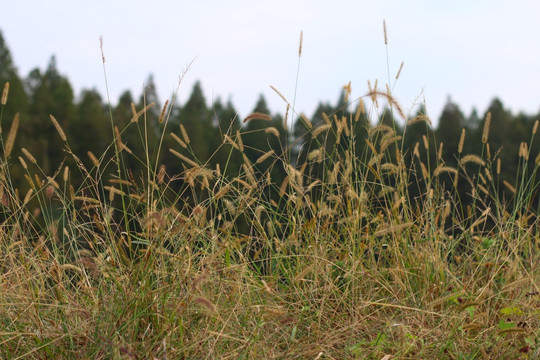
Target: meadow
[{"x": 370, "y": 255}]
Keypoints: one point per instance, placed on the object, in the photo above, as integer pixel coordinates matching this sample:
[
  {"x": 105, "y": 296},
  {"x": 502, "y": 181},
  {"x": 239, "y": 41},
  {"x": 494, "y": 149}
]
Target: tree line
[{"x": 213, "y": 130}]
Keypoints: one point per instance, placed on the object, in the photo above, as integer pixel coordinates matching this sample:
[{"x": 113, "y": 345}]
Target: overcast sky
[{"x": 471, "y": 50}]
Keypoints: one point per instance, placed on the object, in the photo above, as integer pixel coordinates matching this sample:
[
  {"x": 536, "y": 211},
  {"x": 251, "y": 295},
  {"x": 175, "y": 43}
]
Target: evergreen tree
[
  {"x": 226, "y": 118},
  {"x": 197, "y": 120},
  {"x": 17, "y": 101},
  {"x": 386, "y": 118},
  {"x": 258, "y": 141},
  {"x": 414, "y": 132},
  {"x": 131, "y": 135},
  {"x": 303, "y": 143},
  {"x": 500, "y": 139},
  {"x": 91, "y": 130},
  {"x": 151, "y": 116},
  {"x": 50, "y": 94},
  {"x": 449, "y": 131},
  {"x": 418, "y": 133},
  {"x": 122, "y": 113}
]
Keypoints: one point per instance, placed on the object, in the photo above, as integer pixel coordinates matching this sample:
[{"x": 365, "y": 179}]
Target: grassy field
[{"x": 347, "y": 263}]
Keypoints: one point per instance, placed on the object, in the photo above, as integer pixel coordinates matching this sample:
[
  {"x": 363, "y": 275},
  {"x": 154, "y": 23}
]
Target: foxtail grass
[{"x": 361, "y": 249}]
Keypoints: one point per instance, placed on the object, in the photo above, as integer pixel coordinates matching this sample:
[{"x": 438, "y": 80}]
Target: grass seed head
[
  {"x": 348, "y": 90},
  {"x": 163, "y": 112},
  {"x": 440, "y": 169},
  {"x": 425, "y": 173},
  {"x": 272, "y": 130},
  {"x": 472, "y": 158},
  {"x": 320, "y": 129},
  {"x": 184, "y": 158},
  {"x": 206, "y": 304},
  {"x": 66, "y": 173},
  {"x": 224, "y": 190},
  {"x": 257, "y": 116},
  {"x": 179, "y": 141},
  {"x": 29, "y": 156},
  {"x": 28, "y": 196},
  {"x": 419, "y": 118},
  {"x": 315, "y": 155},
  {"x": 509, "y": 186},
  {"x": 5, "y": 93},
  {"x": 23, "y": 163},
  {"x": 265, "y": 156},
  {"x": 461, "y": 141},
  {"x": 161, "y": 174},
  {"x": 306, "y": 121},
  {"x": 58, "y": 128},
  {"x": 524, "y": 151},
  {"x": 11, "y": 136},
  {"x": 426, "y": 142},
  {"x": 485, "y": 132},
  {"x": 93, "y": 159},
  {"x": 279, "y": 94},
  {"x": 326, "y": 118},
  {"x": 184, "y": 133},
  {"x": 400, "y": 68},
  {"x": 283, "y": 187},
  {"x": 360, "y": 109},
  {"x": 416, "y": 152},
  {"x": 301, "y": 43},
  {"x": 240, "y": 143},
  {"x": 385, "y": 34}
]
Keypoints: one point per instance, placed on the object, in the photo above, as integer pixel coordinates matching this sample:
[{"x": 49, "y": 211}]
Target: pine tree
[
  {"x": 17, "y": 101},
  {"x": 50, "y": 94},
  {"x": 261, "y": 136},
  {"x": 500, "y": 139},
  {"x": 92, "y": 129},
  {"x": 197, "y": 121},
  {"x": 449, "y": 130},
  {"x": 151, "y": 116},
  {"x": 256, "y": 141},
  {"x": 228, "y": 123}
]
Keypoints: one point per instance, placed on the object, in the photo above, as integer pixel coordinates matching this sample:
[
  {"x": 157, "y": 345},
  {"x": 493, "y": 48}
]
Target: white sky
[{"x": 472, "y": 50}]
